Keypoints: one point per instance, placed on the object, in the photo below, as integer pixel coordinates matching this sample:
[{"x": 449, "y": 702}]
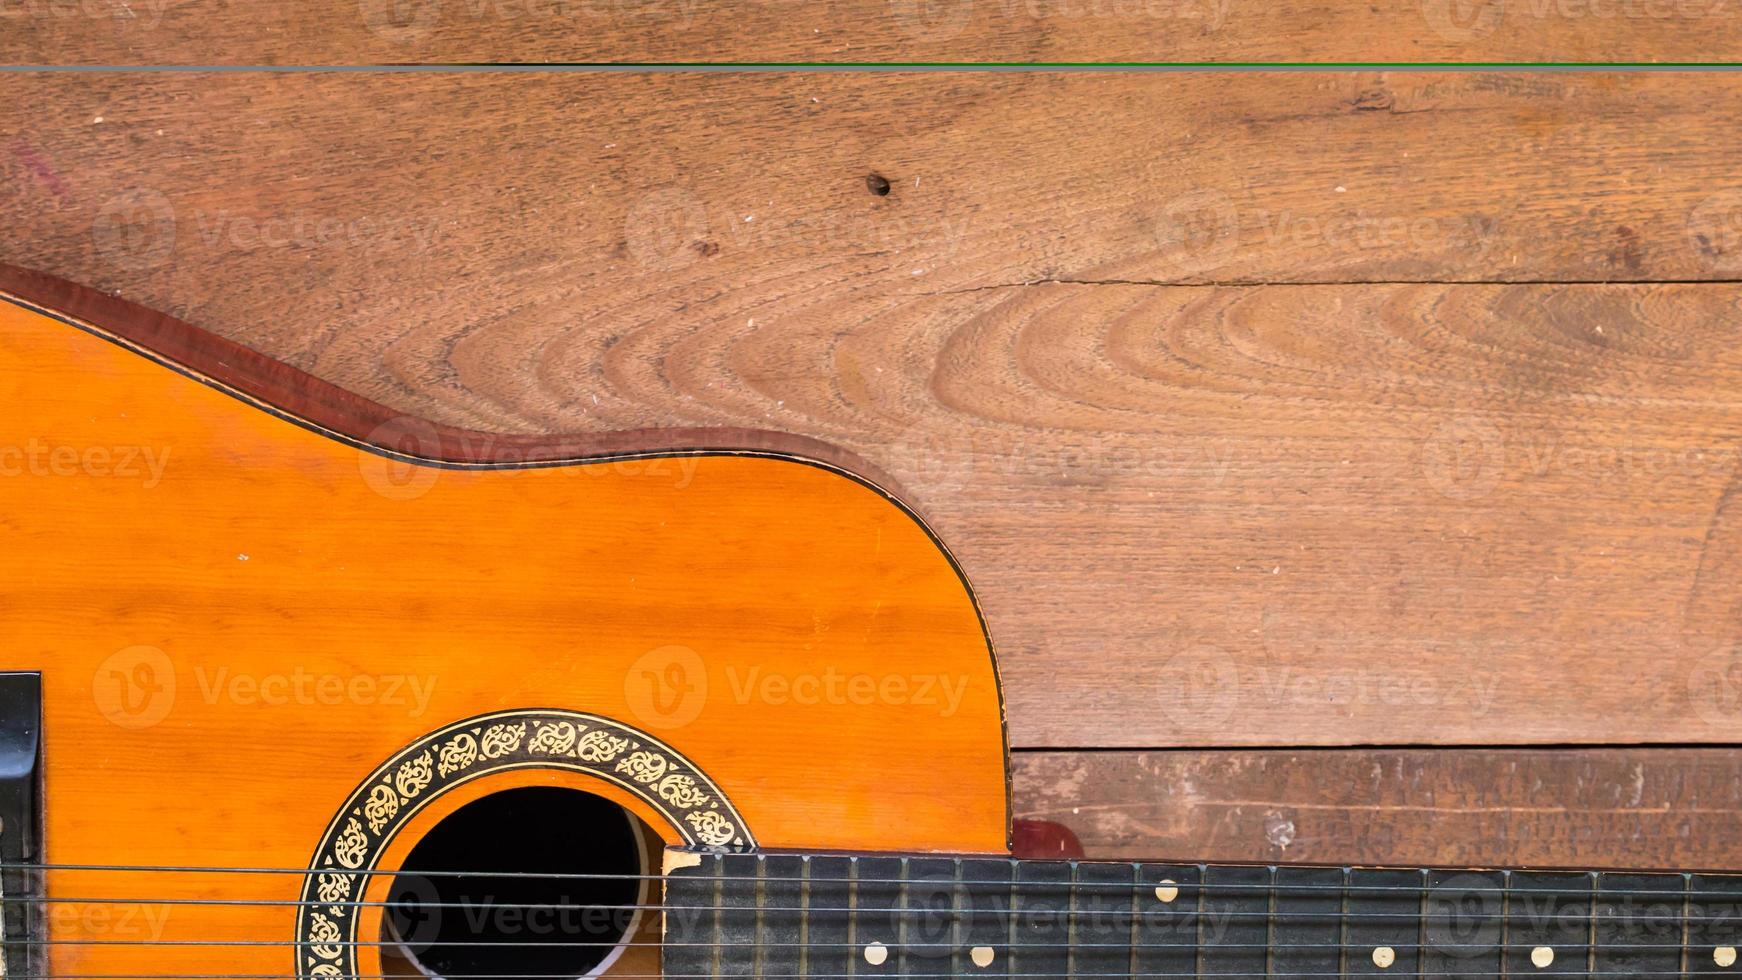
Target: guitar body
[{"x": 278, "y": 628}]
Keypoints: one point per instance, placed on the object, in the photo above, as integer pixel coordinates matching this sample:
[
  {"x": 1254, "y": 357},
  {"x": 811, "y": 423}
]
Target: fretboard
[{"x": 829, "y": 917}]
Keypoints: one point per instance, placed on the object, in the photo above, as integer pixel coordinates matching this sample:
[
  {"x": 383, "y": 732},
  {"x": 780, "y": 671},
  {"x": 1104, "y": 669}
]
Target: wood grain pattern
[
  {"x": 1639, "y": 808},
  {"x": 381, "y": 31},
  {"x": 1370, "y": 509},
  {"x": 348, "y": 416}
]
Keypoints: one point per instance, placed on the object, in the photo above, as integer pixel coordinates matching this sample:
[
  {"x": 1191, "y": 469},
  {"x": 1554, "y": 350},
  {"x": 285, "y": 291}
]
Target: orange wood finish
[{"x": 238, "y": 618}]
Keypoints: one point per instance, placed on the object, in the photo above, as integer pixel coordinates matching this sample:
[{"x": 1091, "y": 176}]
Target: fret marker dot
[
  {"x": 1384, "y": 956},
  {"x": 876, "y": 954},
  {"x": 1167, "y": 891},
  {"x": 1542, "y": 956},
  {"x": 1724, "y": 955},
  {"x": 981, "y": 955}
]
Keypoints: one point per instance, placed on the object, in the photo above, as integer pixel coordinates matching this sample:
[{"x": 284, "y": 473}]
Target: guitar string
[
  {"x": 1185, "y": 888},
  {"x": 1449, "y": 949},
  {"x": 1030, "y": 913}
]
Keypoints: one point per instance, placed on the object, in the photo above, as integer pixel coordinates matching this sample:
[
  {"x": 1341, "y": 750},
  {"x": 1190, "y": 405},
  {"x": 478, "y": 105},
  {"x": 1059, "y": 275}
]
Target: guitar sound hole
[{"x": 508, "y": 912}]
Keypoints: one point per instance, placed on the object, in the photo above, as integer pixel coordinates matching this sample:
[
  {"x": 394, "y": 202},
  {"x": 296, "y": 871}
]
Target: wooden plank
[
  {"x": 1620, "y": 808},
  {"x": 1369, "y": 510},
  {"x": 397, "y": 31},
  {"x": 639, "y": 197}
]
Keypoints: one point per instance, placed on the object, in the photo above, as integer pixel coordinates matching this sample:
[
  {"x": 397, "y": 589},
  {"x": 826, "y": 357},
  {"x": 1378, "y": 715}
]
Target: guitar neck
[{"x": 831, "y": 917}]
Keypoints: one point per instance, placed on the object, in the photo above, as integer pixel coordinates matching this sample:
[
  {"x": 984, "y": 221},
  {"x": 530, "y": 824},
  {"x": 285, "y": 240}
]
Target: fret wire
[
  {"x": 719, "y": 925},
  {"x": 756, "y": 956},
  {"x": 1343, "y": 926},
  {"x": 804, "y": 917},
  {"x": 1071, "y": 922},
  {"x": 1421, "y": 930},
  {"x": 955, "y": 922},
  {"x": 1505, "y": 921},
  {"x": 1131, "y": 927},
  {"x": 1687, "y": 909},
  {"x": 1198, "y": 955},
  {"x": 1270, "y": 926},
  {"x": 852, "y": 917},
  {"x": 901, "y": 896}
]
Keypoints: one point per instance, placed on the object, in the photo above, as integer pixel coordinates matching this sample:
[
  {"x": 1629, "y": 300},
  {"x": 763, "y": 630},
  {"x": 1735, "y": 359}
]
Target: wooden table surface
[{"x": 1347, "y": 461}]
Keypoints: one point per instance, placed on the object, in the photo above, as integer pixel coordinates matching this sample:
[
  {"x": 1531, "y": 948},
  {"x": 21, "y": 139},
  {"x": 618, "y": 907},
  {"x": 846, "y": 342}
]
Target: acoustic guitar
[{"x": 298, "y": 688}]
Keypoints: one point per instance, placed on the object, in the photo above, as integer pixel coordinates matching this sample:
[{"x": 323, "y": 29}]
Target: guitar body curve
[{"x": 270, "y": 637}]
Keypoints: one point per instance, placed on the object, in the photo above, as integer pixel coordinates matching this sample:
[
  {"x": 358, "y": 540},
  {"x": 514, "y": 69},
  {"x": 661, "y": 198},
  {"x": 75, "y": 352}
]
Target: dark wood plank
[
  {"x": 634, "y": 198},
  {"x": 1600, "y": 807},
  {"x": 1366, "y": 510},
  {"x": 396, "y": 31}
]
